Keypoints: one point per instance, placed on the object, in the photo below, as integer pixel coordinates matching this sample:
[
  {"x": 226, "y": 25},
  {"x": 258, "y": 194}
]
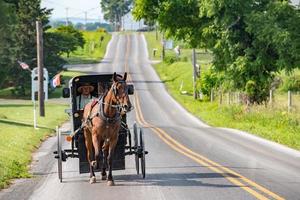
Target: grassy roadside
[
  {"x": 93, "y": 50},
  {"x": 273, "y": 124},
  {"x": 18, "y": 137},
  {"x": 19, "y": 140}
]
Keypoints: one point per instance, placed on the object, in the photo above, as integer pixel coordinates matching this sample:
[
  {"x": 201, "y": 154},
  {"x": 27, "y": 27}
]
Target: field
[
  {"x": 273, "y": 123},
  {"x": 19, "y": 139},
  {"x": 93, "y": 50}
]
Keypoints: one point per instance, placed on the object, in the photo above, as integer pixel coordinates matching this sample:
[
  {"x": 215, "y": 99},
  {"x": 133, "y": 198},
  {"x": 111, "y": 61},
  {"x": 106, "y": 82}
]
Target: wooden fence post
[
  {"x": 228, "y": 98},
  {"x": 221, "y": 97},
  {"x": 212, "y": 95},
  {"x": 289, "y": 101},
  {"x": 239, "y": 98},
  {"x": 271, "y": 98}
]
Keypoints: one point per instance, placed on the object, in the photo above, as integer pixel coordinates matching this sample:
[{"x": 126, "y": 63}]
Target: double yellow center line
[{"x": 237, "y": 179}]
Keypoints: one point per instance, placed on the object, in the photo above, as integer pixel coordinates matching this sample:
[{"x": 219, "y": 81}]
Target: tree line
[
  {"x": 252, "y": 41},
  {"x": 18, "y": 42},
  {"x": 90, "y": 26}
]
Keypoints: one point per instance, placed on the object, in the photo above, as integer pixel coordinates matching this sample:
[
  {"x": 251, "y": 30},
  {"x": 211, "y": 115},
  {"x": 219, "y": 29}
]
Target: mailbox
[{"x": 35, "y": 83}]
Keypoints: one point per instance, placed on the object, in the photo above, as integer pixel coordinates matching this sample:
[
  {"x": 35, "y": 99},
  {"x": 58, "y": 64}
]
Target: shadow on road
[
  {"x": 15, "y": 123},
  {"x": 173, "y": 179}
]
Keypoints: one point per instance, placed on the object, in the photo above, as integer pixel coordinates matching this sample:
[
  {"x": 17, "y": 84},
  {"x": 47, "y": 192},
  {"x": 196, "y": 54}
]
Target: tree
[
  {"x": 53, "y": 48},
  {"x": 7, "y": 50},
  {"x": 114, "y": 10},
  {"x": 19, "y": 20},
  {"x": 70, "y": 39},
  {"x": 178, "y": 19},
  {"x": 27, "y": 12},
  {"x": 251, "y": 40}
]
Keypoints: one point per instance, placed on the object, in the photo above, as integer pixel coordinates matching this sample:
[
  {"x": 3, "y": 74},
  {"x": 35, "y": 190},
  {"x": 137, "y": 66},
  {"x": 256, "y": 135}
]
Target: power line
[
  {"x": 68, "y": 8},
  {"x": 61, "y": 5}
]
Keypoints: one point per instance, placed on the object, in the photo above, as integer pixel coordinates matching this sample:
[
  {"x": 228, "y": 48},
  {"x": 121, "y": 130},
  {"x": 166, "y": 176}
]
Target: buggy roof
[{"x": 92, "y": 79}]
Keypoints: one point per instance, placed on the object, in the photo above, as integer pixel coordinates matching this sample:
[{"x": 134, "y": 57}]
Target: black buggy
[{"x": 75, "y": 136}]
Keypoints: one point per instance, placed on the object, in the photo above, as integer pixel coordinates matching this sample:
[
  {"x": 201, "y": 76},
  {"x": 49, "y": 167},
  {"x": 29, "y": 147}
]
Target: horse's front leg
[
  {"x": 104, "y": 160},
  {"x": 110, "y": 180},
  {"x": 89, "y": 149}
]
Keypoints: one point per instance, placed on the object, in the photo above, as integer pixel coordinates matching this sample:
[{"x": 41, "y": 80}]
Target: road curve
[{"x": 187, "y": 159}]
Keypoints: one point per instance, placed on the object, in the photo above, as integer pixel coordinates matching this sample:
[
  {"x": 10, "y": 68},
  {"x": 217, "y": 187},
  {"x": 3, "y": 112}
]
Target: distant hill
[
  {"x": 78, "y": 23},
  {"x": 74, "y": 20}
]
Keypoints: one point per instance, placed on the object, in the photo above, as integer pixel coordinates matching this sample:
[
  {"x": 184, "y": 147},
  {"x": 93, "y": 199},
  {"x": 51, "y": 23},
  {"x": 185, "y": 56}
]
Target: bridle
[{"x": 119, "y": 105}]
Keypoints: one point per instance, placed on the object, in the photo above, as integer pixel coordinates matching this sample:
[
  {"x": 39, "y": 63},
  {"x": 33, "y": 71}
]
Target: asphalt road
[{"x": 187, "y": 159}]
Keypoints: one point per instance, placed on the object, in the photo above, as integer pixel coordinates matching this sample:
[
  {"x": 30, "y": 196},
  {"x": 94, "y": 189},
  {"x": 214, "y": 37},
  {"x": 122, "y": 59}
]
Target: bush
[
  {"x": 291, "y": 84},
  {"x": 209, "y": 80},
  {"x": 170, "y": 59}
]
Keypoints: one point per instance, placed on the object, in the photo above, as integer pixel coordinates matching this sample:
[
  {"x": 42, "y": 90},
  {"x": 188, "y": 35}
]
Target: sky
[
  {"x": 74, "y": 8},
  {"x": 295, "y": 2},
  {"x": 77, "y": 9}
]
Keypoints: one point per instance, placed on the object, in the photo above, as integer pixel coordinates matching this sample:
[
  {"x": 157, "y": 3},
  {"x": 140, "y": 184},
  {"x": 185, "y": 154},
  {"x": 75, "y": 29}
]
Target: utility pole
[
  {"x": 194, "y": 60},
  {"x": 67, "y": 17},
  {"x": 85, "y": 19},
  {"x": 163, "y": 47},
  {"x": 40, "y": 64},
  {"x": 156, "y": 33}
]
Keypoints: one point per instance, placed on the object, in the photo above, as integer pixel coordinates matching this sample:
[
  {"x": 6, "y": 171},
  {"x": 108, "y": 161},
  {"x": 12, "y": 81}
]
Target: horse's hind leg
[{"x": 89, "y": 149}]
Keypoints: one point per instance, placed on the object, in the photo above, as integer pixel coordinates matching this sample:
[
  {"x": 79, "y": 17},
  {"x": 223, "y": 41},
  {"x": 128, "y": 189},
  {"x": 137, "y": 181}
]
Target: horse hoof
[
  {"x": 103, "y": 178},
  {"x": 110, "y": 183},
  {"x": 94, "y": 164},
  {"x": 92, "y": 180}
]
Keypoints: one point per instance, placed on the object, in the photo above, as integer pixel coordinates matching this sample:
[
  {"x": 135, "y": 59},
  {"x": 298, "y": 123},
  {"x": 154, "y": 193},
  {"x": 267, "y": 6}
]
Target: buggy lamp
[{"x": 69, "y": 138}]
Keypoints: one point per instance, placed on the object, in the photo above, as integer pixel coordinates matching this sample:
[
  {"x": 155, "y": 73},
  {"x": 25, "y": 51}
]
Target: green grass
[
  {"x": 19, "y": 139},
  {"x": 153, "y": 44},
  {"x": 271, "y": 123},
  {"x": 93, "y": 51}
]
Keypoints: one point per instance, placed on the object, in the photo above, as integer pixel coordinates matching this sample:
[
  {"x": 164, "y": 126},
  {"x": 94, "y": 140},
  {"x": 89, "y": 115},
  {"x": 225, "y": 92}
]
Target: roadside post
[{"x": 195, "y": 72}]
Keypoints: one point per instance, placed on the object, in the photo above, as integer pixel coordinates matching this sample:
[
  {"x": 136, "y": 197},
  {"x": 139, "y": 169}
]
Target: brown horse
[{"x": 103, "y": 122}]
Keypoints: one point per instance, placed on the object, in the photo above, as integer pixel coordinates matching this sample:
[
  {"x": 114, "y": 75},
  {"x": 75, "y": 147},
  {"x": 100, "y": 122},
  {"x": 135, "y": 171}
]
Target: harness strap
[{"x": 102, "y": 115}]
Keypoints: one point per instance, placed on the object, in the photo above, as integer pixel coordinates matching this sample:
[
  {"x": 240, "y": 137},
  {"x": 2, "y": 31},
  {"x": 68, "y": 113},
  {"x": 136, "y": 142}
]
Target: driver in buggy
[{"x": 85, "y": 96}]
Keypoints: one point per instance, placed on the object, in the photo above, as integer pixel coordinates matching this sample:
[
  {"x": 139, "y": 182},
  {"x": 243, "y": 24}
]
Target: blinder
[{"x": 115, "y": 90}]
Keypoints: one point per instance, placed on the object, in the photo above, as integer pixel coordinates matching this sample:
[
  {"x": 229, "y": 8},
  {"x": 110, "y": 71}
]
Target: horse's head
[{"x": 120, "y": 90}]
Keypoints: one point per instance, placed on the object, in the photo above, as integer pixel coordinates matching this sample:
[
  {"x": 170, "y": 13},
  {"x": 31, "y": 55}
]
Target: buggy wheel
[
  {"x": 136, "y": 146},
  {"x": 59, "y": 154},
  {"x": 143, "y": 153}
]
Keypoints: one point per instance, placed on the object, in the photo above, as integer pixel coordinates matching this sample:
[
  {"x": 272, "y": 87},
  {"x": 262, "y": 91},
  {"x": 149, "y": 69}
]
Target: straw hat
[{"x": 91, "y": 88}]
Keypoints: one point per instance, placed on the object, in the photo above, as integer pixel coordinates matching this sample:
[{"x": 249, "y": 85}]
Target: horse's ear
[
  {"x": 115, "y": 77},
  {"x": 125, "y": 76}
]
